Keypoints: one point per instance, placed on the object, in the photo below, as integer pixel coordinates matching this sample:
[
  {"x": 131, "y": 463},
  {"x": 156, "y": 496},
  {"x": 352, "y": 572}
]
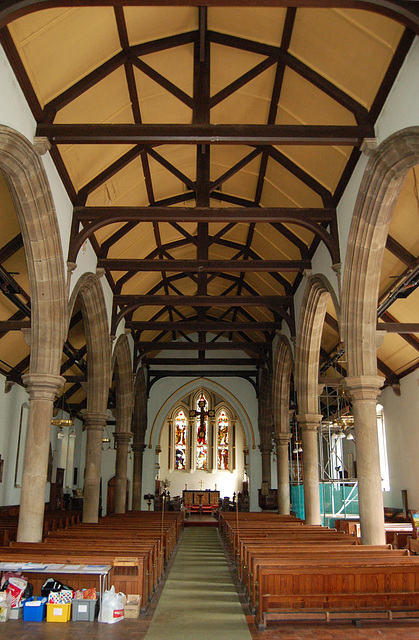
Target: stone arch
[
  {"x": 139, "y": 428},
  {"x": 307, "y": 352},
  {"x": 29, "y": 188},
  {"x": 380, "y": 187},
  {"x": 139, "y": 421},
  {"x": 122, "y": 370},
  {"x": 378, "y": 193},
  {"x": 92, "y": 302},
  {"x": 194, "y": 386},
  {"x": 283, "y": 368},
  {"x": 31, "y": 194}
]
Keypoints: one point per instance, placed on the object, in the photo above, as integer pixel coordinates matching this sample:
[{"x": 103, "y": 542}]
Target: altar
[{"x": 204, "y": 501}]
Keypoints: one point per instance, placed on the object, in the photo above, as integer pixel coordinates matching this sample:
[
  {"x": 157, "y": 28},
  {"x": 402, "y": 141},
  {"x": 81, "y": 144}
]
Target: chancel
[{"x": 209, "y": 352}]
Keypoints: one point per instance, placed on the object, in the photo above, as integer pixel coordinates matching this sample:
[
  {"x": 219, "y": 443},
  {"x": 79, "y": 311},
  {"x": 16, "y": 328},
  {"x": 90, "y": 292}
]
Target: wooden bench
[{"x": 338, "y": 587}]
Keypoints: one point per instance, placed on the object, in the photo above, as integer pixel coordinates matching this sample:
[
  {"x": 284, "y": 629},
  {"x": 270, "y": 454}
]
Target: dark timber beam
[
  {"x": 203, "y": 266},
  {"x": 204, "y": 301},
  {"x": 404, "y": 11},
  {"x": 395, "y": 327},
  {"x": 14, "y": 325},
  {"x": 203, "y": 214},
  {"x": 156, "y": 134},
  {"x": 196, "y": 325},
  {"x": 224, "y": 362},
  {"x": 147, "y": 347}
]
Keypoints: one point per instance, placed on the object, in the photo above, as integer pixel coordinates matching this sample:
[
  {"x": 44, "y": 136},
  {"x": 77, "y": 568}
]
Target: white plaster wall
[
  {"x": 14, "y": 111},
  {"x": 10, "y": 405},
  {"x": 401, "y": 109},
  {"x": 402, "y": 430}
]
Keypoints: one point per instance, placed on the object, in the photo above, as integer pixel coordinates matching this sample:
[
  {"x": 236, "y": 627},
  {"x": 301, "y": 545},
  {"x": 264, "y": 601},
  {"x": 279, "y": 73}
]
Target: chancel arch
[
  {"x": 316, "y": 298},
  {"x": 381, "y": 184},
  {"x": 227, "y": 481}
]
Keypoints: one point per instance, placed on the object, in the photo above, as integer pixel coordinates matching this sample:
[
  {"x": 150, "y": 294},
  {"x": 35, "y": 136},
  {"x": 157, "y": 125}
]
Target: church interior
[{"x": 209, "y": 269}]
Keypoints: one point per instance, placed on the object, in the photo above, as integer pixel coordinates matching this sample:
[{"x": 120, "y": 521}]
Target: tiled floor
[{"x": 136, "y": 629}]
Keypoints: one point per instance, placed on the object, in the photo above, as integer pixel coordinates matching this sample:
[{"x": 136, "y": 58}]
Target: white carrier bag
[{"x": 112, "y": 606}]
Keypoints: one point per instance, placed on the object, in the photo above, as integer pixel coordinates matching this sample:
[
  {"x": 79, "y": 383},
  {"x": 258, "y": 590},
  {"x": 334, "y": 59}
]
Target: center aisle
[{"x": 199, "y": 600}]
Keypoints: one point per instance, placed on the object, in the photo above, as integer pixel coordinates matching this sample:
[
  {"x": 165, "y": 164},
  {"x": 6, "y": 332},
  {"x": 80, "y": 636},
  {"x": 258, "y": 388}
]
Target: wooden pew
[{"x": 337, "y": 587}]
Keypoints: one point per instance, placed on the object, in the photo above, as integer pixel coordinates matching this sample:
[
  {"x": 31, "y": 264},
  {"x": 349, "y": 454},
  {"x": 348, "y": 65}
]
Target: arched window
[
  {"x": 223, "y": 457},
  {"x": 202, "y": 433},
  {"x": 181, "y": 436}
]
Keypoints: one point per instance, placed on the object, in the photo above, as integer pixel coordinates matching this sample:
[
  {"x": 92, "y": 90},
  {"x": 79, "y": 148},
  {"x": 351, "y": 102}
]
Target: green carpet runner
[{"x": 199, "y": 600}]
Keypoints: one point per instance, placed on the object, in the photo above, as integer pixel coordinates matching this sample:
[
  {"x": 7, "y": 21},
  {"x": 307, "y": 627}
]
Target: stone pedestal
[
  {"x": 364, "y": 391},
  {"x": 42, "y": 389},
  {"x": 282, "y": 444},
  {"x": 95, "y": 423},
  {"x": 309, "y": 424},
  {"x": 122, "y": 440},
  {"x": 137, "y": 476}
]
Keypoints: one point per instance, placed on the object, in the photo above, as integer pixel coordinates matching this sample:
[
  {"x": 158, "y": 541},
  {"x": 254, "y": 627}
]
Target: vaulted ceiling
[{"x": 205, "y": 150}]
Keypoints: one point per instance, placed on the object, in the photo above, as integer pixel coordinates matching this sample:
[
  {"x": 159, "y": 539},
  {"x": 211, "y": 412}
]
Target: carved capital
[
  {"x": 42, "y": 386},
  {"x": 363, "y": 387},
  {"x": 309, "y": 421},
  {"x": 41, "y": 144},
  {"x": 368, "y": 146},
  {"x": 122, "y": 437}
]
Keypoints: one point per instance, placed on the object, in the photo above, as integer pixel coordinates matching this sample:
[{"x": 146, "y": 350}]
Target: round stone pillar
[
  {"x": 95, "y": 423},
  {"x": 309, "y": 424},
  {"x": 364, "y": 391},
  {"x": 266, "y": 464},
  {"x": 282, "y": 466},
  {"x": 42, "y": 389},
  {"x": 122, "y": 440},
  {"x": 137, "y": 475}
]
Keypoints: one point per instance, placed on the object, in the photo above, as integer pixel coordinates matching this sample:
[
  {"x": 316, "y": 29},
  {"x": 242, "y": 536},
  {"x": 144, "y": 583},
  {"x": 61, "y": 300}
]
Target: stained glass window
[
  {"x": 201, "y": 433},
  {"x": 180, "y": 440},
  {"x": 222, "y": 441}
]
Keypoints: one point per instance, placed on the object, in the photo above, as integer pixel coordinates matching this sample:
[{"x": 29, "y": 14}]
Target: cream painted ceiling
[{"x": 139, "y": 65}]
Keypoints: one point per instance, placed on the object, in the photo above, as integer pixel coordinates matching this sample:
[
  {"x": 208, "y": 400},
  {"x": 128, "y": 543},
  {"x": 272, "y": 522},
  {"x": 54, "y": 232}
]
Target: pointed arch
[
  {"x": 307, "y": 352},
  {"x": 213, "y": 387},
  {"x": 139, "y": 420},
  {"x": 122, "y": 371},
  {"x": 283, "y": 369},
  {"x": 379, "y": 190},
  {"x": 88, "y": 290},
  {"x": 28, "y": 185}
]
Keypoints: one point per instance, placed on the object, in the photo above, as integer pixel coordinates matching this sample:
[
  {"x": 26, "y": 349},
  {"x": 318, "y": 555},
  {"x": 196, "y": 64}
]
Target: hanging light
[
  {"x": 60, "y": 434},
  {"x": 350, "y": 436},
  {"x": 72, "y": 434},
  {"x": 298, "y": 448}
]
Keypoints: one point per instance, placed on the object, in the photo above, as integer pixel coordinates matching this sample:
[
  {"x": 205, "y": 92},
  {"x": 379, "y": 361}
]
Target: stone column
[
  {"x": 122, "y": 440},
  {"x": 364, "y": 391},
  {"x": 309, "y": 424},
  {"x": 282, "y": 466},
  {"x": 42, "y": 389},
  {"x": 137, "y": 475},
  {"x": 95, "y": 423},
  {"x": 266, "y": 464}
]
